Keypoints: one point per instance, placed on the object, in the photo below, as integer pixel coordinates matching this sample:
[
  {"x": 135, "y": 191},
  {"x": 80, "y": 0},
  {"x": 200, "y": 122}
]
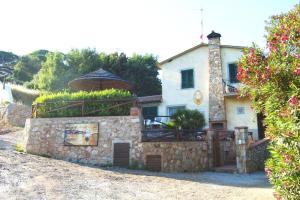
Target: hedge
[{"x": 66, "y": 104}]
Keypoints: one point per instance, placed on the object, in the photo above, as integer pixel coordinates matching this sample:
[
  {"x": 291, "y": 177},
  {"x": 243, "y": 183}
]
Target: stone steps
[{"x": 226, "y": 169}]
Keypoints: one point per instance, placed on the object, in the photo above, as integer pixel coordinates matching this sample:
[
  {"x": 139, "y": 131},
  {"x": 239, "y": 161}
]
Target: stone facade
[
  {"x": 249, "y": 157},
  {"x": 241, "y": 140},
  {"x": 15, "y": 114},
  {"x": 45, "y": 136},
  {"x": 257, "y": 155},
  {"x": 216, "y": 96},
  {"x": 179, "y": 156}
]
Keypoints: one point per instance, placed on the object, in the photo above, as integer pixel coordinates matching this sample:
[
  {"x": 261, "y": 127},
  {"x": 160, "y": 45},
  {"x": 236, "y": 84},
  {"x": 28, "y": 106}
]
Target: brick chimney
[{"x": 217, "y": 115}]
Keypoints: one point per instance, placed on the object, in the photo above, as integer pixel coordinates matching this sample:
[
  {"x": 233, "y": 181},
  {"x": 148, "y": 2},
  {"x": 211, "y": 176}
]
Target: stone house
[{"x": 204, "y": 78}]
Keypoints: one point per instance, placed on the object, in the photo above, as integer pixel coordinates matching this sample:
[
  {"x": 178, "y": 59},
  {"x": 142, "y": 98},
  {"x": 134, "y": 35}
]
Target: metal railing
[
  {"x": 165, "y": 134},
  {"x": 229, "y": 89}
]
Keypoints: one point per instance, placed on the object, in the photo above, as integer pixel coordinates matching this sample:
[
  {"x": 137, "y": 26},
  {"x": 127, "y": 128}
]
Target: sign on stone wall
[{"x": 84, "y": 134}]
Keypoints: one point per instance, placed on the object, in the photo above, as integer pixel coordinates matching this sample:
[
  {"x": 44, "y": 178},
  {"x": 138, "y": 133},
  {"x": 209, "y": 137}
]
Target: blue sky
[{"x": 160, "y": 27}]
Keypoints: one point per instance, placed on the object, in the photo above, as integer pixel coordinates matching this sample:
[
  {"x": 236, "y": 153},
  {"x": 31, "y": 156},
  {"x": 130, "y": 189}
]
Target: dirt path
[{"x": 25, "y": 176}]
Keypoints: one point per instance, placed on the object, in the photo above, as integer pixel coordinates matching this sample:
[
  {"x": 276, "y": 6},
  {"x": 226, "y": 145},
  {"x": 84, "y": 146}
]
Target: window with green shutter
[
  {"x": 187, "y": 78},
  {"x": 233, "y": 73},
  {"x": 150, "y": 112}
]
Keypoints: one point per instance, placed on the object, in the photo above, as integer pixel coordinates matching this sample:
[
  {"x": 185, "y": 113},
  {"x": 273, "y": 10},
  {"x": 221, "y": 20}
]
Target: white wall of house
[
  {"x": 173, "y": 94},
  {"x": 228, "y": 56},
  {"x": 234, "y": 118},
  {"x": 240, "y": 113}
]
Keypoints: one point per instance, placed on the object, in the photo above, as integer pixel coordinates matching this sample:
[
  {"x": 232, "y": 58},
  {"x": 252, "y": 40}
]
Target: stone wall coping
[
  {"x": 154, "y": 142},
  {"x": 83, "y": 118},
  {"x": 259, "y": 142}
]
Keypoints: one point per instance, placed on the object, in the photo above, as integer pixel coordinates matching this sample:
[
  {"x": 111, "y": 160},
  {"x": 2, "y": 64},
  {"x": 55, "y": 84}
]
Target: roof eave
[{"x": 193, "y": 48}]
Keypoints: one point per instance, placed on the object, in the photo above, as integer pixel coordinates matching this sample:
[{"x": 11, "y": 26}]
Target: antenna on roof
[{"x": 201, "y": 36}]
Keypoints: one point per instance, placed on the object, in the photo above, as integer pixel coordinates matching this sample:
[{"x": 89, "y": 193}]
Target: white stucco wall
[
  {"x": 197, "y": 59},
  {"x": 249, "y": 118},
  {"x": 173, "y": 94},
  {"x": 228, "y": 56}
]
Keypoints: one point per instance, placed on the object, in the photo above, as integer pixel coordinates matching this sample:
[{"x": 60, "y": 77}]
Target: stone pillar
[
  {"x": 216, "y": 96},
  {"x": 241, "y": 141},
  {"x": 135, "y": 111},
  {"x": 210, "y": 137}
]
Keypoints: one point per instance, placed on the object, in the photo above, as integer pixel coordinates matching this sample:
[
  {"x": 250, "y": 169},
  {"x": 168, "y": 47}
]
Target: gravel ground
[{"x": 25, "y": 176}]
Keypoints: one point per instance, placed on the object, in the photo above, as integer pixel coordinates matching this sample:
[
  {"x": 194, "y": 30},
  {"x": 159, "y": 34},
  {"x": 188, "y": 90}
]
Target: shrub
[
  {"x": 55, "y": 101},
  {"x": 23, "y": 95},
  {"x": 273, "y": 81},
  {"x": 188, "y": 119},
  {"x": 20, "y": 148}
]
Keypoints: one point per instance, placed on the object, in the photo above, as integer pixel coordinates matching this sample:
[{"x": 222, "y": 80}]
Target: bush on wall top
[
  {"x": 188, "y": 119},
  {"x": 65, "y": 104}
]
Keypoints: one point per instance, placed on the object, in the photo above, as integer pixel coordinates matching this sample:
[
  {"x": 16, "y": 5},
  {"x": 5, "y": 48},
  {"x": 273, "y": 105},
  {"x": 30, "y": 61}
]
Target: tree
[
  {"x": 272, "y": 81},
  {"x": 29, "y": 65},
  {"x": 140, "y": 71},
  {"x": 52, "y": 76},
  {"x": 7, "y": 59}
]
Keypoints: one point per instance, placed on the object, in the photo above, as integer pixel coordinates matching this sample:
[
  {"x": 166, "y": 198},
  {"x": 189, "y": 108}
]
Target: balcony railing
[
  {"x": 168, "y": 135},
  {"x": 158, "y": 129},
  {"x": 229, "y": 90}
]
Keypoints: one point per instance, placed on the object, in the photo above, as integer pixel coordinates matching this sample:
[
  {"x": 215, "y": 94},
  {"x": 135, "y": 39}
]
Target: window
[
  {"x": 149, "y": 112},
  {"x": 233, "y": 73},
  {"x": 240, "y": 110},
  {"x": 187, "y": 78},
  {"x": 172, "y": 110}
]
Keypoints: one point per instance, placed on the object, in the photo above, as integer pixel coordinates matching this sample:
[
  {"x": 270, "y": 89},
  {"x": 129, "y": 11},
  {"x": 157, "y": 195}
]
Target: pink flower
[
  {"x": 277, "y": 196},
  {"x": 293, "y": 101},
  {"x": 297, "y": 72},
  {"x": 251, "y": 51},
  {"x": 287, "y": 158},
  {"x": 268, "y": 170},
  {"x": 298, "y": 56},
  {"x": 284, "y": 38},
  {"x": 289, "y": 134}
]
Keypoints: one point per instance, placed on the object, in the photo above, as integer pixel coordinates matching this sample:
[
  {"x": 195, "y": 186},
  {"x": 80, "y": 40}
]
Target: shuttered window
[
  {"x": 233, "y": 73},
  {"x": 187, "y": 78},
  {"x": 149, "y": 112}
]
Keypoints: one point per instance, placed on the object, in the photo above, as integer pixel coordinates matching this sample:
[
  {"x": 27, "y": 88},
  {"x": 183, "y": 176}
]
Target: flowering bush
[{"x": 272, "y": 80}]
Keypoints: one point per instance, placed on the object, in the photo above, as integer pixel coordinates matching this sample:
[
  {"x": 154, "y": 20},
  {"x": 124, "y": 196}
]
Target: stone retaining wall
[
  {"x": 179, "y": 156},
  {"x": 250, "y": 157},
  {"x": 15, "y": 114},
  {"x": 257, "y": 155},
  {"x": 45, "y": 136}
]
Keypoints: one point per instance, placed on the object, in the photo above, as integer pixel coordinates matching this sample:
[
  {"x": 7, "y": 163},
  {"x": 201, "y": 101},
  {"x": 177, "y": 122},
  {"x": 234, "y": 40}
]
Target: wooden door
[
  {"x": 121, "y": 154},
  {"x": 153, "y": 162}
]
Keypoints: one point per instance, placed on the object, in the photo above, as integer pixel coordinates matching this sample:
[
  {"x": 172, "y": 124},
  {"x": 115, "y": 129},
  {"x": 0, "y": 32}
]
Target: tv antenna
[{"x": 201, "y": 12}]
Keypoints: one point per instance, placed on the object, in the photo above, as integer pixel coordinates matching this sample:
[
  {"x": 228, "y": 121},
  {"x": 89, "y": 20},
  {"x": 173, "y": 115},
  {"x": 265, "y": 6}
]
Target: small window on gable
[
  {"x": 233, "y": 73},
  {"x": 240, "y": 110},
  {"x": 187, "y": 78}
]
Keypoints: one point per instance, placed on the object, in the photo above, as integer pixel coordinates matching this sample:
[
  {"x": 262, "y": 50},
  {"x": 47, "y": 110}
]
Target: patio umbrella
[{"x": 99, "y": 80}]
